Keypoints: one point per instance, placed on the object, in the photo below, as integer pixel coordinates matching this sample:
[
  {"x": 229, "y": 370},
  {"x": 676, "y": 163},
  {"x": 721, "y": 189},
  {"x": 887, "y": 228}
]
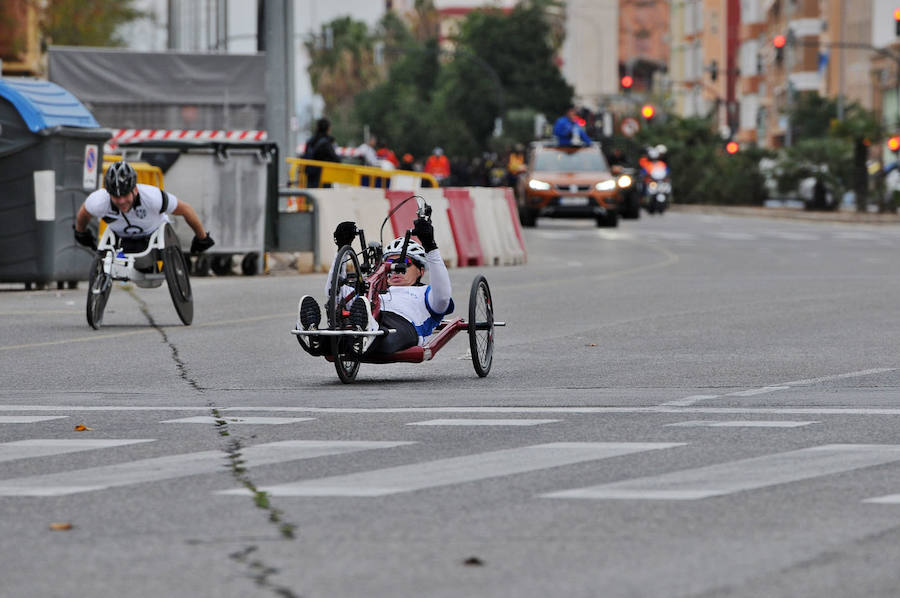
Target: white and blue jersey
[{"x": 413, "y": 304}]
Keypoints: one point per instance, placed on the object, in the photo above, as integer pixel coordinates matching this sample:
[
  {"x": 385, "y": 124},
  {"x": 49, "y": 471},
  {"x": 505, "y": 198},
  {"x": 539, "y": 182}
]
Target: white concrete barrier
[
  {"x": 495, "y": 228},
  {"x": 365, "y": 206}
]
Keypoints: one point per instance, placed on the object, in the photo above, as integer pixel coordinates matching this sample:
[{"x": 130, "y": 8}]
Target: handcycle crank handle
[{"x": 343, "y": 332}]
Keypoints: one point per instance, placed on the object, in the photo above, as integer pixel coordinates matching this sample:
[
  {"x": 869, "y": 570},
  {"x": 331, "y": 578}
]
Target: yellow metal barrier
[{"x": 350, "y": 174}]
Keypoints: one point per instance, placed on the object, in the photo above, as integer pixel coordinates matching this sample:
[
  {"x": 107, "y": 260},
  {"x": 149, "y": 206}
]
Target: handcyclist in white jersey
[
  {"x": 410, "y": 307},
  {"x": 134, "y": 211}
]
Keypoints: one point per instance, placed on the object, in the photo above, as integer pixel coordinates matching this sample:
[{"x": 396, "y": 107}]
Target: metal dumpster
[
  {"x": 51, "y": 148},
  {"x": 232, "y": 185}
]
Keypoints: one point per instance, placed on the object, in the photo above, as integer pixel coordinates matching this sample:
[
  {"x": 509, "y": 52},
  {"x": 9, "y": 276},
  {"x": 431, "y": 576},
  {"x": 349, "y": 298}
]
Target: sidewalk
[{"x": 791, "y": 213}]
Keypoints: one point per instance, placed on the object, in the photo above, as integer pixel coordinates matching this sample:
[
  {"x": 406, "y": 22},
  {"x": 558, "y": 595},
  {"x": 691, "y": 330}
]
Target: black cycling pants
[{"x": 405, "y": 337}]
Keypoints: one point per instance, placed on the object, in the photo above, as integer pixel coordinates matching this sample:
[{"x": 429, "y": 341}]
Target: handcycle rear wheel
[
  {"x": 481, "y": 326},
  {"x": 99, "y": 286},
  {"x": 347, "y": 350},
  {"x": 178, "y": 280}
]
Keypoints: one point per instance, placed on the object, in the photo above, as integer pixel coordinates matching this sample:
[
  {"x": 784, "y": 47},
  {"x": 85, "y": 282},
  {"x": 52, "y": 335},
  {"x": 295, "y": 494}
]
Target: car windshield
[{"x": 581, "y": 161}]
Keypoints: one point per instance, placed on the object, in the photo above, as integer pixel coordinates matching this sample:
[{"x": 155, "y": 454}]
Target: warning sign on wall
[{"x": 91, "y": 157}]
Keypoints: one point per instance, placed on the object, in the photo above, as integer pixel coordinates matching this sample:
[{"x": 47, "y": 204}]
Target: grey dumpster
[
  {"x": 233, "y": 185},
  {"x": 51, "y": 149}
]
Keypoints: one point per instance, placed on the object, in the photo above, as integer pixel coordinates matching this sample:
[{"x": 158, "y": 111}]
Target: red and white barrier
[
  {"x": 126, "y": 136},
  {"x": 474, "y": 226}
]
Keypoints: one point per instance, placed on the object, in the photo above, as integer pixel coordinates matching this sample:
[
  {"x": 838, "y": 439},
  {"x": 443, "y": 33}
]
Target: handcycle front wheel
[
  {"x": 178, "y": 280},
  {"x": 347, "y": 350},
  {"x": 481, "y": 326},
  {"x": 99, "y": 286}
]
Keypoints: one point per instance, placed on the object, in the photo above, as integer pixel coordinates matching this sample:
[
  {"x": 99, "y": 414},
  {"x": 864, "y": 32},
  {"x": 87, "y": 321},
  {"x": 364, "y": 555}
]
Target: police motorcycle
[
  {"x": 162, "y": 261},
  {"x": 657, "y": 186}
]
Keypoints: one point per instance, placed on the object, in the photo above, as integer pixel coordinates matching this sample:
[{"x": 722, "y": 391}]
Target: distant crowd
[{"x": 491, "y": 169}]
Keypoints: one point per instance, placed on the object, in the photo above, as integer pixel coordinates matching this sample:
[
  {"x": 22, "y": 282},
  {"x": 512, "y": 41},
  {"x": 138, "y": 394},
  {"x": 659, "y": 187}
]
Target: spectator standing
[
  {"x": 438, "y": 165},
  {"x": 569, "y": 130},
  {"x": 367, "y": 152},
  {"x": 386, "y": 156},
  {"x": 319, "y": 147},
  {"x": 407, "y": 162}
]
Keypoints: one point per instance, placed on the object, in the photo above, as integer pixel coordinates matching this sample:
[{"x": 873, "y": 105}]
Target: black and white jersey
[{"x": 148, "y": 212}]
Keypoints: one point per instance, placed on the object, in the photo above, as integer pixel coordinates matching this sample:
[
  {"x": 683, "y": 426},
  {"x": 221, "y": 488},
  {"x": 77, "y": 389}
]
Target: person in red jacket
[{"x": 438, "y": 165}]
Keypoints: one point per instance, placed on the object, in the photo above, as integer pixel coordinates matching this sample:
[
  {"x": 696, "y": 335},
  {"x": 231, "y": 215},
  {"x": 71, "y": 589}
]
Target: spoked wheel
[
  {"x": 347, "y": 350},
  {"x": 99, "y": 286},
  {"x": 481, "y": 326},
  {"x": 178, "y": 280}
]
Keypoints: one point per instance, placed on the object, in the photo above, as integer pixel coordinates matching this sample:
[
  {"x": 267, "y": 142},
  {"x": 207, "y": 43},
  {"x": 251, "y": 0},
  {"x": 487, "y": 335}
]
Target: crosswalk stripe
[
  {"x": 457, "y": 470},
  {"x": 28, "y": 419},
  {"x": 45, "y": 447},
  {"x": 741, "y": 424},
  {"x": 745, "y": 474},
  {"x": 208, "y": 419},
  {"x": 483, "y": 422},
  {"x": 176, "y": 466}
]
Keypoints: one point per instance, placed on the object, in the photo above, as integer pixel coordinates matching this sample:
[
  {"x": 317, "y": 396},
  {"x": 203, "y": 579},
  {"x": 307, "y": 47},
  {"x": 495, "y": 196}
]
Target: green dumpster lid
[{"x": 43, "y": 104}]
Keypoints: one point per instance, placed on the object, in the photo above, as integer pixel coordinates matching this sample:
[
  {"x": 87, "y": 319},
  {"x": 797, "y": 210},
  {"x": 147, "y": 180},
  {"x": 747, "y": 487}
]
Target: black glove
[
  {"x": 200, "y": 245},
  {"x": 86, "y": 238},
  {"x": 345, "y": 233},
  {"x": 422, "y": 228}
]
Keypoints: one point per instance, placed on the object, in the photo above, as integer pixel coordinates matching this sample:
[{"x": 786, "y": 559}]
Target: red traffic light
[
  {"x": 779, "y": 41},
  {"x": 897, "y": 14},
  {"x": 627, "y": 81},
  {"x": 732, "y": 147},
  {"x": 894, "y": 144},
  {"x": 647, "y": 111}
]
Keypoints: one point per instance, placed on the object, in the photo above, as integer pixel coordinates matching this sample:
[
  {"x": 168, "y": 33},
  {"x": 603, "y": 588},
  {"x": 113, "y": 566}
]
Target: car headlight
[
  {"x": 606, "y": 185},
  {"x": 538, "y": 185},
  {"x": 624, "y": 181}
]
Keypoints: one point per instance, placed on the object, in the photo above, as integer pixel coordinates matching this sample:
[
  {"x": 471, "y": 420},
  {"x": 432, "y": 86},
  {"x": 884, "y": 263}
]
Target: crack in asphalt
[{"x": 257, "y": 570}]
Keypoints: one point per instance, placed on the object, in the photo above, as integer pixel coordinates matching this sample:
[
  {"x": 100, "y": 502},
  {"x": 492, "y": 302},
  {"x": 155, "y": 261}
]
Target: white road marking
[
  {"x": 890, "y": 499},
  {"x": 208, "y": 419},
  {"x": 742, "y": 424},
  {"x": 458, "y": 470},
  {"x": 176, "y": 466},
  {"x": 756, "y": 391},
  {"x": 483, "y": 422},
  {"x": 505, "y": 410},
  {"x": 792, "y": 236},
  {"x": 45, "y": 447},
  {"x": 856, "y": 374},
  {"x": 687, "y": 401},
  {"x": 745, "y": 474},
  {"x": 28, "y": 419},
  {"x": 735, "y": 236}
]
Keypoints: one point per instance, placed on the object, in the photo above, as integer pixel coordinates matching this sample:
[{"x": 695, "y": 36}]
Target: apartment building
[{"x": 702, "y": 68}]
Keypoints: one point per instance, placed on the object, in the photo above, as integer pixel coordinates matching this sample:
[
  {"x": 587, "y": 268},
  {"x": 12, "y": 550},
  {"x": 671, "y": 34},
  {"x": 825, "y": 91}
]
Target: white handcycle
[{"x": 162, "y": 260}]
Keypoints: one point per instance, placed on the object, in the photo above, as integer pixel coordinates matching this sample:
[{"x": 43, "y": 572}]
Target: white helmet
[
  {"x": 414, "y": 251},
  {"x": 653, "y": 153}
]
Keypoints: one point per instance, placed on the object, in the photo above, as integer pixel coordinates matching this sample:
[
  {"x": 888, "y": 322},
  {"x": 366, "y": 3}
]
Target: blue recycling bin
[{"x": 51, "y": 157}]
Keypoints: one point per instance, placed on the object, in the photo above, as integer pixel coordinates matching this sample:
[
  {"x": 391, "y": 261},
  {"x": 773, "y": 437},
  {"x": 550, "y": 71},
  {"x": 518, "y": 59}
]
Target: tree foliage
[
  {"x": 88, "y": 22},
  {"x": 341, "y": 62},
  {"x": 418, "y": 94},
  {"x": 701, "y": 171}
]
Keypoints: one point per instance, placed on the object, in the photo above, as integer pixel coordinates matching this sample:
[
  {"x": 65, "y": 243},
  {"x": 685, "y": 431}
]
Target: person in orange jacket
[{"x": 438, "y": 165}]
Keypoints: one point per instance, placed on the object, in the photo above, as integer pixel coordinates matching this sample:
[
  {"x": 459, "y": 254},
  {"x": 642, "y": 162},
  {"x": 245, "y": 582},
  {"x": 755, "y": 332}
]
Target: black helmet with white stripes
[{"x": 120, "y": 178}]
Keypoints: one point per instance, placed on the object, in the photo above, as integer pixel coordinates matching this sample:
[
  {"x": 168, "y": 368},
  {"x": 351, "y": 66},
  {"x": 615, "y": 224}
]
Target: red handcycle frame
[{"x": 371, "y": 278}]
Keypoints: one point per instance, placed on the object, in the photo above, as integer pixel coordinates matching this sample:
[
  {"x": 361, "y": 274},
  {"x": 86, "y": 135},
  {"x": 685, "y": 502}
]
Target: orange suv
[{"x": 568, "y": 182}]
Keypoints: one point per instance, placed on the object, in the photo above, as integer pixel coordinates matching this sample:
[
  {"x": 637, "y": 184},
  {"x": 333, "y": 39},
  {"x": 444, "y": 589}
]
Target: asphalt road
[{"x": 686, "y": 406}]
